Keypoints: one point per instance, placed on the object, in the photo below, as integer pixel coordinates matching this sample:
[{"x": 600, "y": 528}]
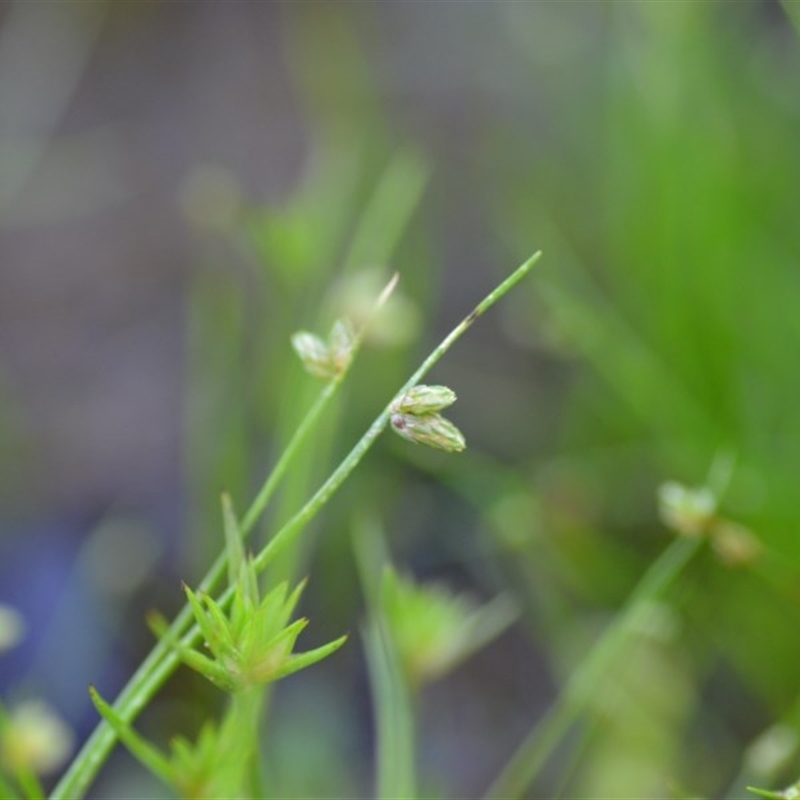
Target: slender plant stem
[
  {"x": 268, "y": 489},
  {"x": 793, "y": 12},
  {"x": 387, "y": 212},
  {"x": 532, "y": 754},
  {"x": 30, "y": 784},
  {"x": 395, "y": 777},
  {"x": 162, "y": 660},
  {"x": 392, "y": 701},
  {"x": 6, "y": 790},
  {"x": 293, "y": 527},
  {"x": 247, "y": 707}
]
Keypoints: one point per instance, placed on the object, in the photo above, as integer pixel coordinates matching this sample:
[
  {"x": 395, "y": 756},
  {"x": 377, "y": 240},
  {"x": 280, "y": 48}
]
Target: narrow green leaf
[
  {"x": 140, "y": 747},
  {"x": 222, "y": 641},
  {"x": 203, "y": 622},
  {"x": 271, "y": 655},
  {"x": 291, "y": 602},
  {"x": 394, "y": 719},
  {"x": 233, "y": 540},
  {"x": 213, "y": 670},
  {"x": 270, "y": 612},
  {"x": 302, "y": 660},
  {"x": 158, "y": 624},
  {"x": 766, "y": 793},
  {"x": 30, "y": 784},
  {"x": 7, "y": 790}
]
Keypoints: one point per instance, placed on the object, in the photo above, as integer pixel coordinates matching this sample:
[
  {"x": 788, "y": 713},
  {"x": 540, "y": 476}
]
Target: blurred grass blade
[
  {"x": 792, "y": 9},
  {"x": 537, "y": 747},
  {"x": 394, "y": 719},
  {"x": 233, "y": 540},
  {"x": 388, "y": 212}
]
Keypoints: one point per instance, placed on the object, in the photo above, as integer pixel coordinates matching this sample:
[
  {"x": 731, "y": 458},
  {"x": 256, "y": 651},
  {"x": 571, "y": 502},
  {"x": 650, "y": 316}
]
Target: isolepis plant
[{"x": 242, "y": 637}]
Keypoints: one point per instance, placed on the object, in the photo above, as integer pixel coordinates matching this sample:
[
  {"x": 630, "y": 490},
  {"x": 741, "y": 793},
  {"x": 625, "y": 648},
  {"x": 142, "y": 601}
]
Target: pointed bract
[
  {"x": 233, "y": 539},
  {"x": 253, "y": 643}
]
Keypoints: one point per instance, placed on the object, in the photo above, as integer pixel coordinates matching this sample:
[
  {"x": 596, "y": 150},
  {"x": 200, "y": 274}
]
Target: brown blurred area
[{"x": 105, "y": 109}]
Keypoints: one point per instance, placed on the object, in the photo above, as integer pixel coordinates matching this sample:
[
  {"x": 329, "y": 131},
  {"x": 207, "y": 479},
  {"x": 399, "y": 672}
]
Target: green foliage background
[{"x": 650, "y": 150}]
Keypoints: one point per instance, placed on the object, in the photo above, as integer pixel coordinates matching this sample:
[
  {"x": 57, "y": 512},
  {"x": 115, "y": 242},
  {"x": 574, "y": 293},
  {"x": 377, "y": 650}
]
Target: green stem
[
  {"x": 393, "y": 711},
  {"x": 6, "y": 790},
  {"x": 768, "y": 794},
  {"x": 392, "y": 701},
  {"x": 532, "y": 754},
  {"x": 293, "y": 527},
  {"x": 162, "y": 660},
  {"x": 246, "y": 710},
  {"x": 30, "y": 784},
  {"x": 268, "y": 489},
  {"x": 387, "y": 212},
  {"x": 792, "y": 10}
]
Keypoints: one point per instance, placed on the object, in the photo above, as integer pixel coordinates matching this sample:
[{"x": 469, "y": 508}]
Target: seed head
[
  {"x": 430, "y": 429},
  {"x": 327, "y": 360},
  {"x": 314, "y": 354},
  {"x": 686, "y": 510},
  {"x": 425, "y": 400}
]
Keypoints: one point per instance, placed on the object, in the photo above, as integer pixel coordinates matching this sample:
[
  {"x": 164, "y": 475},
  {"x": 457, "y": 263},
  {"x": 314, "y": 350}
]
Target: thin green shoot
[{"x": 527, "y": 762}]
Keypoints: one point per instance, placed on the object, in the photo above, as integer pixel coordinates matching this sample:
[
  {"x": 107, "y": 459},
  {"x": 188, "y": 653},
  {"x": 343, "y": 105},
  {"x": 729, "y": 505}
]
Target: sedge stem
[{"x": 162, "y": 661}]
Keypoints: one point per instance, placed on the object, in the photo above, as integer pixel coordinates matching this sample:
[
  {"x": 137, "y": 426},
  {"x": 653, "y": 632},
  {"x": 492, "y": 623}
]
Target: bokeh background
[{"x": 183, "y": 185}]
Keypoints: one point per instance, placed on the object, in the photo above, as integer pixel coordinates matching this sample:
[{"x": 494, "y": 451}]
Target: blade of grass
[
  {"x": 6, "y": 790},
  {"x": 535, "y": 749},
  {"x": 792, "y": 10},
  {"x": 30, "y": 784},
  {"x": 387, "y": 214},
  {"x": 393, "y": 708},
  {"x": 395, "y": 777}
]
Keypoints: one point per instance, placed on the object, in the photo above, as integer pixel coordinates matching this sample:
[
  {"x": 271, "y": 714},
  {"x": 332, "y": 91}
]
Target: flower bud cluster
[
  {"x": 693, "y": 512},
  {"x": 416, "y": 417},
  {"x": 326, "y": 360},
  {"x": 686, "y": 510}
]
